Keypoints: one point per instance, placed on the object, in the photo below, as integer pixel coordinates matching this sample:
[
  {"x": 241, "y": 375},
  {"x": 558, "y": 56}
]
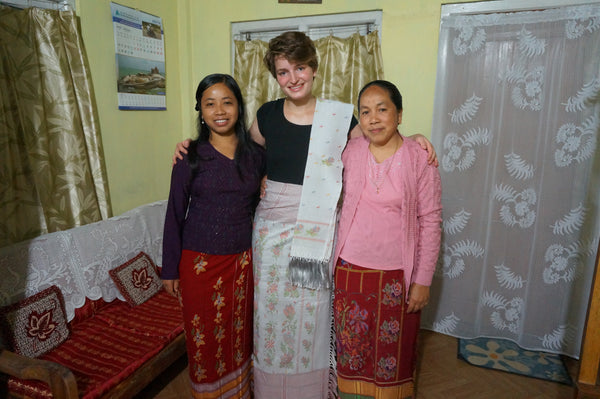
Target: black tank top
[{"x": 286, "y": 143}]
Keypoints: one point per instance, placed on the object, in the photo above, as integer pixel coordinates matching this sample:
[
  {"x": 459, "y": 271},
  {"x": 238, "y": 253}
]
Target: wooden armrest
[{"x": 60, "y": 379}]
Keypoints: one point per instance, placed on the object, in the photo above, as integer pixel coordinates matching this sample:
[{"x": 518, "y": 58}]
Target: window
[
  {"x": 507, "y": 5},
  {"x": 315, "y": 26}
]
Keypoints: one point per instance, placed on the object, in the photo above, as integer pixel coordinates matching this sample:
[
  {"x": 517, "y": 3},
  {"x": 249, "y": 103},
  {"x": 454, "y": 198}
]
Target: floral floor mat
[{"x": 499, "y": 354}]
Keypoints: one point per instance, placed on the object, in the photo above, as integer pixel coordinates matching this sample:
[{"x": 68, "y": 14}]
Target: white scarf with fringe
[{"x": 312, "y": 244}]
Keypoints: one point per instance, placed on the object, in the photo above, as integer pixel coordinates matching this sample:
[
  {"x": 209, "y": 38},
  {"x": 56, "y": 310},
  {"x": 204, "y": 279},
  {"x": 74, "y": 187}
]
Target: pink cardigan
[{"x": 422, "y": 209}]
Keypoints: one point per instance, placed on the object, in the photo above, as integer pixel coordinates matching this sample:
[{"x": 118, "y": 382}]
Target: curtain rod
[
  {"x": 63, "y": 5},
  {"x": 247, "y": 35}
]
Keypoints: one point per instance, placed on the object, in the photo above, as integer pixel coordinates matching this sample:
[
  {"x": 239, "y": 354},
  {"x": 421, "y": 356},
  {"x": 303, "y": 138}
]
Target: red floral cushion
[
  {"x": 36, "y": 325},
  {"x": 137, "y": 279}
]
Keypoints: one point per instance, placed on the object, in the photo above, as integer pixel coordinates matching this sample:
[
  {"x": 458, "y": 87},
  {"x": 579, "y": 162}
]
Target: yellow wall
[{"x": 138, "y": 144}]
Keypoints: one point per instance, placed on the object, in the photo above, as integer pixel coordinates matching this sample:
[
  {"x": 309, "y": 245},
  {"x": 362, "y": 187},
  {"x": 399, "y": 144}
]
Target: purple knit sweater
[{"x": 213, "y": 212}]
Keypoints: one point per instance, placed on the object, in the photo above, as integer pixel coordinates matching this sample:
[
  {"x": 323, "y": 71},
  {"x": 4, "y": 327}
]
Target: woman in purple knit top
[
  {"x": 207, "y": 245},
  {"x": 388, "y": 244}
]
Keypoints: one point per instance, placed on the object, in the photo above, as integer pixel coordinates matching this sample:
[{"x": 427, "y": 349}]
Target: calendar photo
[{"x": 140, "y": 59}]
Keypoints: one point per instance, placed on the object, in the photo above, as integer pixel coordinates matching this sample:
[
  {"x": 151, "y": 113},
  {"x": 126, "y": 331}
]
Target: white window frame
[
  {"x": 315, "y": 26},
  {"x": 481, "y": 7},
  {"x": 63, "y": 5}
]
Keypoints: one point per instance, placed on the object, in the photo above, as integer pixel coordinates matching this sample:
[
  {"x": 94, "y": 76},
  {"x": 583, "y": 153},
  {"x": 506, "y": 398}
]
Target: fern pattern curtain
[
  {"x": 51, "y": 159},
  {"x": 516, "y": 125},
  {"x": 345, "y": 66}
]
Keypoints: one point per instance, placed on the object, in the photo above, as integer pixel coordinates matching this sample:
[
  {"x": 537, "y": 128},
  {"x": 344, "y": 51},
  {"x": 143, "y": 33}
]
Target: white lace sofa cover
[{"x": 78, "y": 260}]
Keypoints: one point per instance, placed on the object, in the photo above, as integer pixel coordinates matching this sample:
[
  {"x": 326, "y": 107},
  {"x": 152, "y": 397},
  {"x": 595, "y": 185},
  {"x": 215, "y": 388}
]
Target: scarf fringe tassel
[{"x": 309, "y": 273}]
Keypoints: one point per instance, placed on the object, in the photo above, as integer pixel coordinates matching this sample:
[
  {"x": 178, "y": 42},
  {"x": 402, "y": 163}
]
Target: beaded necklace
[{"x": 378, "y": 171}]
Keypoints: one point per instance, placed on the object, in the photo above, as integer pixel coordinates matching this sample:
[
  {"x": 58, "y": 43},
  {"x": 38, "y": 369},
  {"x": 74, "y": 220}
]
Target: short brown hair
[{"x": 295, "y": 47}]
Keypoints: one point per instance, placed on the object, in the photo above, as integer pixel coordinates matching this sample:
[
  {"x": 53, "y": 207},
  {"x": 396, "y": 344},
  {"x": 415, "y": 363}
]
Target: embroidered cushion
[
  {"x": 137, "y": 279},
  {"x": 99, "y": 356},
  {"x": 37, "y": 324}
]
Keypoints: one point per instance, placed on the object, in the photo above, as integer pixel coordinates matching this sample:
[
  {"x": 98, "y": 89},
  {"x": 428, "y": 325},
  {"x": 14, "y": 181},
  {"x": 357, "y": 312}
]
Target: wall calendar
[{"x": 140, "y": 59}]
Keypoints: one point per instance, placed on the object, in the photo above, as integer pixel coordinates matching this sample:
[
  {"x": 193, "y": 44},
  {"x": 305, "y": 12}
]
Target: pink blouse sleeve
[{"x": 429, "y": 218}]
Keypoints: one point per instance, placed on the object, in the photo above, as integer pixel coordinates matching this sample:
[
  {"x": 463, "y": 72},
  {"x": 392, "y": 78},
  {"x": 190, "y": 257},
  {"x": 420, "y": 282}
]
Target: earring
[{"x": 202, "y": 119}]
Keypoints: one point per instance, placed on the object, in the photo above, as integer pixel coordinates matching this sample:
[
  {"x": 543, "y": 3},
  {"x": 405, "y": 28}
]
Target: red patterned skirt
[
  {"x": 217, "y": 295},
  {"x": 376, "y": 338}
]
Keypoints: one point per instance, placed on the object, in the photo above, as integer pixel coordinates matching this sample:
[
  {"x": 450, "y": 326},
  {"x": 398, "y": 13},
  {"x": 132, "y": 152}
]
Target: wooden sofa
[{"x": 125, "y": 346}]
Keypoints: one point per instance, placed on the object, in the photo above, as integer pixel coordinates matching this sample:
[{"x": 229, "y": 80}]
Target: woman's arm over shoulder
[
  {"x": 356, "y": 132},
  {"x": 427, "y": 146},
  {"x": 181, "y": 150},
  {"x": 256, "y": 134}
]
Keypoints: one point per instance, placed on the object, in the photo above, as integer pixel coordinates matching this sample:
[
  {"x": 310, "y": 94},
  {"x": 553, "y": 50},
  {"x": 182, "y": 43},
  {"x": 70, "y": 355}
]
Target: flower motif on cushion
[
  {"x": 41, "y": 326},
  {"x": 392, "y": 293},
  {"x": 140, "y": 278},
  {"x": 386, "y": 367}
]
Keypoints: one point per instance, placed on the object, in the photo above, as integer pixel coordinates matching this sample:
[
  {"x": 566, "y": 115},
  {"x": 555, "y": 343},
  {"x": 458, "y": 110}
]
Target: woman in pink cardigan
[{"x": 387, "y": 249}]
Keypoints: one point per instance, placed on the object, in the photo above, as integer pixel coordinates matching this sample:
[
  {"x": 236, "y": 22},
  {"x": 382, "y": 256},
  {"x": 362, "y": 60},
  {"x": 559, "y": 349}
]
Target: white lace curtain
[{"x": 516, "y": 122}]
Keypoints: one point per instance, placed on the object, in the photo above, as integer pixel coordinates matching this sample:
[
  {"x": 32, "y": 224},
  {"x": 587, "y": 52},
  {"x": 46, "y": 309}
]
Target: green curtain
[
  {"x": 345, "y": 66},
  {"x": 52, "y": 172}
]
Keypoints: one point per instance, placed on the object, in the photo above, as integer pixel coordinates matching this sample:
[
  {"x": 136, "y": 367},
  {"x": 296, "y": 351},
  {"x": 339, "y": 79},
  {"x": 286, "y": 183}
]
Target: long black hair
[{"x": 245, "y": 142}]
